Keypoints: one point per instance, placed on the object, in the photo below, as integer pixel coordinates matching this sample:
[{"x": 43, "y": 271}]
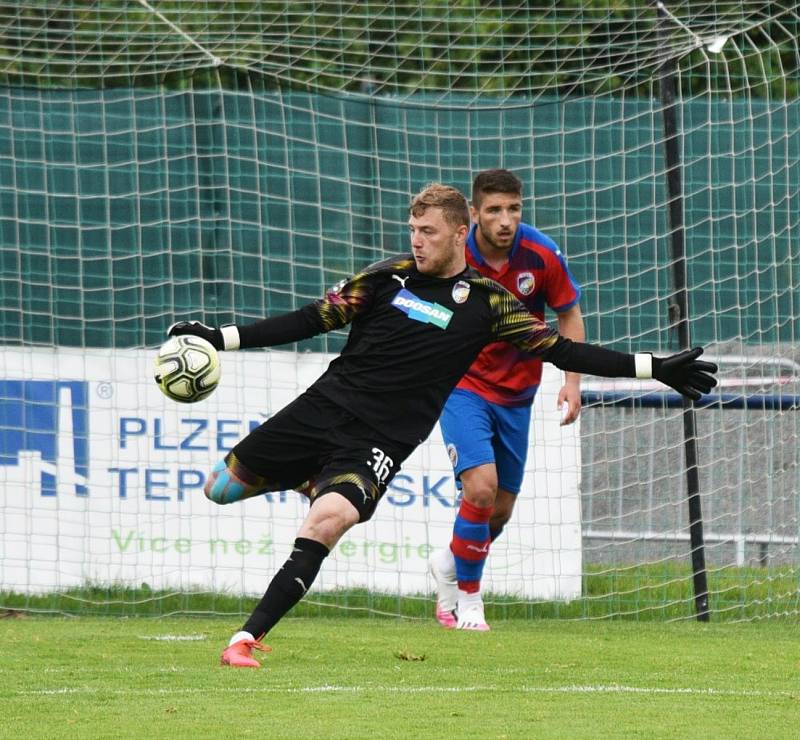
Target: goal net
[{"x": 229, "y": 161}]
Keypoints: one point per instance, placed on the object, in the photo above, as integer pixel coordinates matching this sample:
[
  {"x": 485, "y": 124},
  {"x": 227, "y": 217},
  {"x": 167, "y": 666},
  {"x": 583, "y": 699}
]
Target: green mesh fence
[{"x": 123, "y": 209}]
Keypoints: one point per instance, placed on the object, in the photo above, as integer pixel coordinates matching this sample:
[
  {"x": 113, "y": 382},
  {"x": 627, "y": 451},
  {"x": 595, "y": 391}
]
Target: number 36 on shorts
[{"x": 381, "y": 463}]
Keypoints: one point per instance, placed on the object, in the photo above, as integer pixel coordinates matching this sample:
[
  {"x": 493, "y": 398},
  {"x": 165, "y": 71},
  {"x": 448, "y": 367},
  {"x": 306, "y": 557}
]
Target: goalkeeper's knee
[{"x": 222, "y": 488}]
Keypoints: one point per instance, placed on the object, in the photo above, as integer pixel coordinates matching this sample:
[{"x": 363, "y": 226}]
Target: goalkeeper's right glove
[
  {"x": 226, "y": 337},
  {"x": 685, "y": 373}
]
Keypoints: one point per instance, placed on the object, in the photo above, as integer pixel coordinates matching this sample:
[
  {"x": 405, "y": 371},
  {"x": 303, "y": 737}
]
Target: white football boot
[
  {"x": 442, "y": 566},
  {"x": 470, "y": 612}
]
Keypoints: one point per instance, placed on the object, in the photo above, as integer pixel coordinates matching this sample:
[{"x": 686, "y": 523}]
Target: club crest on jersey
[
  {"x": 461, "y": 291},
  {"x": 526, "y": 283},
  {"x": 452, "y": 453},
  {"x": 419, "y": 310}
]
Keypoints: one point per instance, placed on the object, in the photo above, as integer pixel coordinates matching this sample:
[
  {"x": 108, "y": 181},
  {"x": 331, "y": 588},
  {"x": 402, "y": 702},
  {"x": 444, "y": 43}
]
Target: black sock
[{"x": 288, "y": 586}]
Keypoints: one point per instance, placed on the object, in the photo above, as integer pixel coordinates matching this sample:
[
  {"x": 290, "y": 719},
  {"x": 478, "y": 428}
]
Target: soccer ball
[{"x": 187, "y": 368}]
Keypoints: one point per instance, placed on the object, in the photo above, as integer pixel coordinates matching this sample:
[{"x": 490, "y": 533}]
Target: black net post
[{"x": 679, "y": 313}]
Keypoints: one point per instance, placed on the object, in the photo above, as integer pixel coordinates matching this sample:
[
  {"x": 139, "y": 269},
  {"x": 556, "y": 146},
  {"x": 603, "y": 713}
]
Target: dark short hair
[
  {"x": 455, "y": 208},
  {"x": 494, "y": 181}
]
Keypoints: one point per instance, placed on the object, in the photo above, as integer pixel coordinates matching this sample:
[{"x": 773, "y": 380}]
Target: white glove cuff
[
  {"x": 230, "y": 337},
  {"x": 644, "y": 365}
]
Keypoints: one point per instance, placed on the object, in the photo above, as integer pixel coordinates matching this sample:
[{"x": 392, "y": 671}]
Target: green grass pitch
[{"x": 110, "y": 677}]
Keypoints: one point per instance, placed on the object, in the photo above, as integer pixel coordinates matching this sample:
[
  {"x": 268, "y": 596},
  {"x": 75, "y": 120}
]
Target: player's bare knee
[
  {"x": 360, "y": 494},
  {"x": 341, "y": 514},
  {"x": 329, "y": 518},
  {"x": 329, "y": 528},
  {"x": 480, "y": 485},
  {"x": 480, "y": 493}
]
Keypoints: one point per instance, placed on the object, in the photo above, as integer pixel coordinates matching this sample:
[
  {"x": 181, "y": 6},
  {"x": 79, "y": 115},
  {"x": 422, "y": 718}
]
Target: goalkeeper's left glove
[
  {"x": 225, "y": 337},
  {"x": 683, "y": 372}
]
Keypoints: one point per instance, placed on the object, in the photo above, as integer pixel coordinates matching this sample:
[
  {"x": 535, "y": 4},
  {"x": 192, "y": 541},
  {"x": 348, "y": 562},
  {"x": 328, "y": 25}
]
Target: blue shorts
[{"x": 477, "y": 432}]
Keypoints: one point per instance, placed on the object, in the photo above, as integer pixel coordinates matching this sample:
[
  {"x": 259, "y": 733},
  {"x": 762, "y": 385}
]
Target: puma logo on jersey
[{"x": 401, "y": 280}]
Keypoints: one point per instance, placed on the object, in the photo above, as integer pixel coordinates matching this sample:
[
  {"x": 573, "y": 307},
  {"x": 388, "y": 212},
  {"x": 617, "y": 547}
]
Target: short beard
[{"x": 490, "y": 241}]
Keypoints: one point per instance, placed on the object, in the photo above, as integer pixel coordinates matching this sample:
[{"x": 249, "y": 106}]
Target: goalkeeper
[{"x": 418, "y": 322}]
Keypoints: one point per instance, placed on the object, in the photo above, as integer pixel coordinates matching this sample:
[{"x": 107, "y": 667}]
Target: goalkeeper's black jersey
[{"x": 411, "y": 339}]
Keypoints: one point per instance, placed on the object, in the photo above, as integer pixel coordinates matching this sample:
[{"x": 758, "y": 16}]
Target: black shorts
[{"x": 315, "y": 439}]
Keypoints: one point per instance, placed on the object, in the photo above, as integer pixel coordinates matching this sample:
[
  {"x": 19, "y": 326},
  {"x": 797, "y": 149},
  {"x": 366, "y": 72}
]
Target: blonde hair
[{"x": 455, "y": 209}]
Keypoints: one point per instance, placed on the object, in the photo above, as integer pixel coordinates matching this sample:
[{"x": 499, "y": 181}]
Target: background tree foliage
[{"x": 496, "y": 49}]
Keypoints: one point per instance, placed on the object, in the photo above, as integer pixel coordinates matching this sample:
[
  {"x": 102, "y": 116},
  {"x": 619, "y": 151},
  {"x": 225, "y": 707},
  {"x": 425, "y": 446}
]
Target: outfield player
[
  {"x": 486, "y": 419},
  {"x": 418, "y": 322}
]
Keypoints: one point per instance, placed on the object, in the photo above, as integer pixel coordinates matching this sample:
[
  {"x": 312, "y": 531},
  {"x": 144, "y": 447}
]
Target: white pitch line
[{"x": 323, "y": 689}]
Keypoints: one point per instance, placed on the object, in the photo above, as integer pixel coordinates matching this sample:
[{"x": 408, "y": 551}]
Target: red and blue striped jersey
[{"x": 537, "y": 274}]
